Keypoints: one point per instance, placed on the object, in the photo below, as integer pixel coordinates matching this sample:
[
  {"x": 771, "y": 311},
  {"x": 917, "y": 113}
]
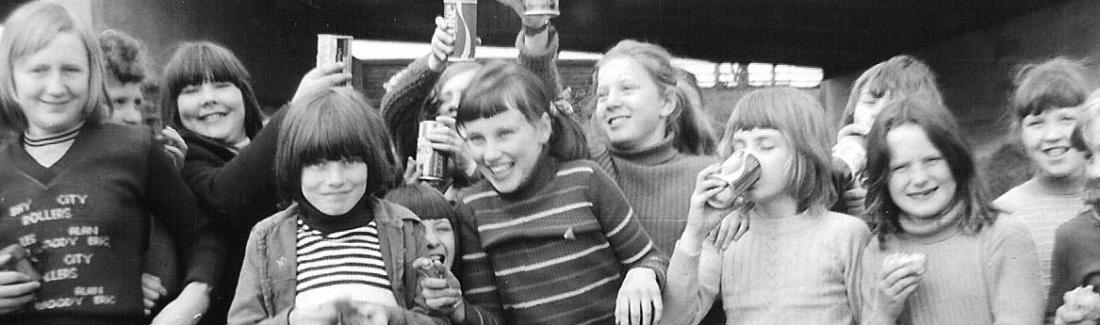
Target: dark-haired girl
[{"x": 971, "y": 265}]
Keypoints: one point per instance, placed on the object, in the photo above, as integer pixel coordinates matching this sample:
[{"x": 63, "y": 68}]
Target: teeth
[
  {"x": 499, "y": 168},
  {"x": 1056, "y": 151},
  {"x": 616, "y": 120}
]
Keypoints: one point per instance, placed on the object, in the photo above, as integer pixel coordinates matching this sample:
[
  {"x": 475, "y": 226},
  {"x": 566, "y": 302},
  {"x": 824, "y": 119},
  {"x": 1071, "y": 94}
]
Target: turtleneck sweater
[
  {"x": 657, "y": 182},
  {"x": 990, "y": 277},
  {"x": 800, "y": 269},
  {"x": 1042, "y": 212}
]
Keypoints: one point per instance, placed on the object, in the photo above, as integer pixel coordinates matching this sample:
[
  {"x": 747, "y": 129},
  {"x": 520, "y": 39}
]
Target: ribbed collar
[
  {"x": 65, "y": 136},
  {"x": 663, "y": 152},
  {"x": 358, "y": 216},
  {"x": 545, "y": 169},
  {"x": 942, "y": 231}
]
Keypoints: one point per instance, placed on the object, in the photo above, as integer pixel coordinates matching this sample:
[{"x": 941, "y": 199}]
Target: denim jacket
[{"x": 266, "y": 289}]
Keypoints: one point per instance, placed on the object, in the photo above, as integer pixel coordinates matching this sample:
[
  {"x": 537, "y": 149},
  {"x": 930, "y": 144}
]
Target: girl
[
  {"x": 1076, "y": 256},
  {"x": 1046, "y": 105},
  {"x": 926, "y": 199},
  {"x": 437, "y": 215},
  {"x": 431, "y": 88},
  {"x": 545, "y": 236},
  {"x": 798, "y": 262},
  {"x": 78, "y": 191},
  {"x": 648, "y": 135},
  {"x": 897, "y": 77},
  {"x": 228, "y": 166},
  {"x": 337, "y": 243}
]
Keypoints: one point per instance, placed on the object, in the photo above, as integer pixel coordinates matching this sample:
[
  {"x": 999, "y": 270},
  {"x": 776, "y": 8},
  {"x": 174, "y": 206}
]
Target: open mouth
[
  {"x": 1055, "y": 151},
  {"x": 440, "y": 257},
  {"x": 212, "y": 117},
  {"x": 617, "y": 120},
  {"x": 501, "y": 170},
  {"x": 921, "y": 195}
]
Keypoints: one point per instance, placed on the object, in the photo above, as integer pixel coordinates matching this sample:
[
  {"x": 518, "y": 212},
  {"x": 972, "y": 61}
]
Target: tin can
[
  {"x": 541, "y": 8},
  {"x": 739, "y": 172},
  {"x": 335, "y": 49},
  {"x": 432, "y": 163},
  {"x": 461, "y": 18}
]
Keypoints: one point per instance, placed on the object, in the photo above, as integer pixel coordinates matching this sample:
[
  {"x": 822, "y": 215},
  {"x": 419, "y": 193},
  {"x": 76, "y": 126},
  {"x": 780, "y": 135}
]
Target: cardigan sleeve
[
  {"x": 624, "y": 232},
  {"x": 171, "y": 202},
  {"x": 401, "y": 105},
  {"x": 542, "y": 60},
  {"x": 1012, "y": 274}
]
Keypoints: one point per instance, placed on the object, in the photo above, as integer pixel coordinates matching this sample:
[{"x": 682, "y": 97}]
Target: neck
[
  {"x": 1065, "y": 185},
  {"x": 646, "y": 142},
  {"x": 778, "y": 208},
  {"x": 931, "y": 227}
]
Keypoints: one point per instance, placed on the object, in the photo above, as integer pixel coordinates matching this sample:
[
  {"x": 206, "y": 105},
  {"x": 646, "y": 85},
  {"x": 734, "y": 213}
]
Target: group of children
[{"x": 306, "y": 220}]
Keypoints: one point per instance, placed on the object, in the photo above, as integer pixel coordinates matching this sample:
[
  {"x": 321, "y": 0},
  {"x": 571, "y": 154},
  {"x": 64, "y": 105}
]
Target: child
[
  {"x": 959, "y": 262},
  {"x": 337, "y": 244},
  {"x": 437, "y": 215},
  {"x": 898, "y": 77},
  {"x": 78, "y": 191},
  {"x": 1046, "y": 106},
  {"x": 545, "y": 236},
  {"x": 798, "y": 261},
  {"x": 1076, "y": 254}
]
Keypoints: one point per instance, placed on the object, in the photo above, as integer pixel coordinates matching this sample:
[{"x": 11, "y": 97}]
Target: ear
[
  {"x": 670, "y": 100},
  {"x": 544, "y": 128}
]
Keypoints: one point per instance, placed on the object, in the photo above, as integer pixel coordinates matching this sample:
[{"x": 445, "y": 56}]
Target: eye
[
  {"x": 190, "y": 89},
  {"x": 476, "y": 140},
  {"x": 222, "y": 85}
]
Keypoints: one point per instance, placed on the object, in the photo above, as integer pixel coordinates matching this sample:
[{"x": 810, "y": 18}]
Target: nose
[
  {"x": 918, "y": 176},
  {"x": 613, "y": 100},
  {"x": 490, "y": 152},
  {"x": 207, "y": 94},
  {"x": 55, "y": 86},
  {"x": 129, "y": 114},
  {"x": 432, "y": 239},
  {"x": 334, "y": 174}
]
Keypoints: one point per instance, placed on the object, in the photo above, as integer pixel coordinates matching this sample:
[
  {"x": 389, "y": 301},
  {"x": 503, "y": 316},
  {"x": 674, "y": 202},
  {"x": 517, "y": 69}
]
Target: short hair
[
  {"x": 500, "y": 86},
  {"x": 332, "y": 124},
  {"x": 900, "y": 75},
  {"x": 195, "y": 63},
  {"x": 29, "y": 29},
  {"x": 424, "y": 201},
  {"x": 1055, "y": 83},
  {"x": 1080, "y": 140},
  {"x": 944, "y": 132},
  {"x": 801, "y": 119},
  {"x": 124, "y": 55},
  {"x": 693, "y": 133}
]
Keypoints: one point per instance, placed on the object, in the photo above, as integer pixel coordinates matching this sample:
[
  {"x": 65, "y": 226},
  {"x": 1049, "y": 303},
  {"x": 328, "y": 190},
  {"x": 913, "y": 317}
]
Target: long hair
[
  {"x": 404, "y": 123},
  {"x": 30, "y": 28},
  {"x": 900, "y": 76},
  {"x": 944, "y": 132},
  {"x": 500, "y": 86},
  {"x": 195, "y": 63},
  {"x": 693, "y": 133},
  {"x": 333, "y": 124},
  {"x": 801, "y": 119}
]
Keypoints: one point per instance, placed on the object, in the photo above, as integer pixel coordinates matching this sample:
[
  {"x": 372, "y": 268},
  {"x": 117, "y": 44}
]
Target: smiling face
[
  {"x": 440, "y": 238},
  {"x": 630, "y": 108},
  {"x": 334, "y": 187},
  {"x": 920, "y": 183},
  {"x": 1046, "y": 137},
  {"x": 506, "y": 147},
  {"x": 774, "y": 152},
  {"x": 214, "y": 109},
  {"x": 51, "y": 85}
]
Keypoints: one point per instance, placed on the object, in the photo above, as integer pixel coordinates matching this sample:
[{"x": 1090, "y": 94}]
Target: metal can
[
  {"x": 740, "y": 171},
  {"x": 461, "y": 18},
  {"x": 432, "y": 163},
  {"x": 335, "y": 49},
  {"x": 541, "y": 8}
]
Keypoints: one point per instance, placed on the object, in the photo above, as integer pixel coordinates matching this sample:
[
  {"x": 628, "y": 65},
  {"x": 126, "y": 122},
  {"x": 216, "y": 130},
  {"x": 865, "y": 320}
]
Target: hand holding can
[{"x": 740, "y": 171}]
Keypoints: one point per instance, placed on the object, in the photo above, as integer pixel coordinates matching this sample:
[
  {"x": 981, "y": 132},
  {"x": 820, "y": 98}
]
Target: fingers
[
  {"x": 333, "y": 79},
  {"x": 658, "y": 309},
  {"x": 622, "y": 310},
  {"x": 636, "y": 312},
  {"x": 412, "y": 175},
  {"x": 724, "y": 233},
  {"x": 742, "y": 227},
  {"x": 15, "y": 303},
  {"x": 12, "y": 277}
]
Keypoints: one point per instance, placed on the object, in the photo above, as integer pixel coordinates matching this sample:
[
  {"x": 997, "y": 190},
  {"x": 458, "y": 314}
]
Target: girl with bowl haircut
[
  {"x": 798, "y": 262},
  {"x": 926, "y": 199},
  {"x": 338, "y": 252}
]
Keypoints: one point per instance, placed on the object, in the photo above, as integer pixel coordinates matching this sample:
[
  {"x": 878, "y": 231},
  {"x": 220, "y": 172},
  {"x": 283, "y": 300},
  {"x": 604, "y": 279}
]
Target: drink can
[
  {"x": 334, "y": 49},
  {"x": 432, "y": 163},
  {"x": 461, "y": 18},
  {"x": 739, "y": 172},
  {"x": 541, "y": 8}
]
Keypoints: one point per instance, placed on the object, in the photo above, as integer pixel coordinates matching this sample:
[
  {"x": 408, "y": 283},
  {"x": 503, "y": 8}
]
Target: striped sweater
[
  {"x": 553, "y": 252},
  {"x": 345, "y": 264}
]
